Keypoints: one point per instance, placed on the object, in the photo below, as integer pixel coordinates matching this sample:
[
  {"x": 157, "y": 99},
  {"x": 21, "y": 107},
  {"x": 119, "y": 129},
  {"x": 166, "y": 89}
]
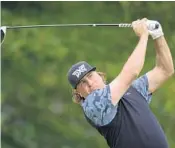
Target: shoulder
[
  {"x": 141, "y": 81},
  {"x": 141, "y": 85},
  {"x": 98, "y": 106}
]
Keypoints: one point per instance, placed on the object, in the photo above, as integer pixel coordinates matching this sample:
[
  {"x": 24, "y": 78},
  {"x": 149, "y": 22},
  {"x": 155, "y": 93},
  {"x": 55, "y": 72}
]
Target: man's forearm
[
  {"x": 136, "y": 60},
  {"x": 163, "y": 56}
]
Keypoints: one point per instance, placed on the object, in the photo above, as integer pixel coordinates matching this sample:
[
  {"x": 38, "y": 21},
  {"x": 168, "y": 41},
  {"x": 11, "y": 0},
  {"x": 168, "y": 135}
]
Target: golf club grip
[
  {"x": 115, "y": 25},
  {"x": 150, "y": 27},
  {"x": 125, "y": 25}
]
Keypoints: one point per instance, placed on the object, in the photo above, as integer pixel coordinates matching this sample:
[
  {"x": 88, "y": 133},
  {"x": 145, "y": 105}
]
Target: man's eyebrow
[{"x": 89, "y": 73}]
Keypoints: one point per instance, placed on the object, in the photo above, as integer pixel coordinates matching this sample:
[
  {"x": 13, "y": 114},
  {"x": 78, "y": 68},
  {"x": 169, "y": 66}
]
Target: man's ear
[{"x": 79, "y": 94}]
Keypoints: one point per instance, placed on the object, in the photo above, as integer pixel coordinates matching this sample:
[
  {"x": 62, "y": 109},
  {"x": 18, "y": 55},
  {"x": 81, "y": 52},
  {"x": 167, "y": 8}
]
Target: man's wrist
[
  {"x": 156, "y": 34},
  {"x": 144, "y": 35},
  {"x": 159, "y": 38}
]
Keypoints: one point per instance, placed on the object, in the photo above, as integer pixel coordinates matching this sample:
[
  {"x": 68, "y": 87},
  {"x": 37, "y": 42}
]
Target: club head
[{"x": 3, "y": 33}]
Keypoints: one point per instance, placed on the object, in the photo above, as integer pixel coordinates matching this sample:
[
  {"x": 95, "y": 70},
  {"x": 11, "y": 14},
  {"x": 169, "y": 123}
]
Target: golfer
[{"x": 120, "y": 110}]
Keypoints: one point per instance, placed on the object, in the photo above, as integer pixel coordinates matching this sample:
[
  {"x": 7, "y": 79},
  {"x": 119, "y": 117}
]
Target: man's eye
[{"x": 90, "y": 75}]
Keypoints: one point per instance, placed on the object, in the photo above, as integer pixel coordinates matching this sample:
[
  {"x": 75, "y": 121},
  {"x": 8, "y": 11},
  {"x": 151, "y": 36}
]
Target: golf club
[{"x": 4, "y": 28}]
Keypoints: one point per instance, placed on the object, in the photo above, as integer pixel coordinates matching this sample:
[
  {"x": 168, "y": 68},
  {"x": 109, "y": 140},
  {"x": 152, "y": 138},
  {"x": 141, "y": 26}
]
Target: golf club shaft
[{"x": 70, "y": 25}]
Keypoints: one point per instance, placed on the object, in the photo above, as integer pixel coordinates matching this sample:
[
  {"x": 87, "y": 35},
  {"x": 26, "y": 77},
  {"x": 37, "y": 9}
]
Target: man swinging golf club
[{"x": 120, "y": 110}]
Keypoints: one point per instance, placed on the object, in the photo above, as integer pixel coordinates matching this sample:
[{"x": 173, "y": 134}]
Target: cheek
[
  {"x": 83, "y": 90},
  {"x": 100, "y": 81}
]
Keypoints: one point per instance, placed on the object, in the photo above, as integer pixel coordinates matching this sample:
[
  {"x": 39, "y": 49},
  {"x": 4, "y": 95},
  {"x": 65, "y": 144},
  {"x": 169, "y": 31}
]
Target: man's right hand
[{"x": 140, "y": 27}]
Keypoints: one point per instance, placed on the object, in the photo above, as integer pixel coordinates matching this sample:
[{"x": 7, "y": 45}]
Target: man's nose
[{"x": 90, "y": 82}]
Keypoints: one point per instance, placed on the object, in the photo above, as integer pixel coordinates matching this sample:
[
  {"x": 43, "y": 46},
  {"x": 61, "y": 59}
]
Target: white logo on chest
[{"x": 79, "y": 70}]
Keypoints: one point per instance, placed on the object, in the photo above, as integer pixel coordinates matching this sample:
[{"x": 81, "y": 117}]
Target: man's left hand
[{"x": 154, "y": 32}]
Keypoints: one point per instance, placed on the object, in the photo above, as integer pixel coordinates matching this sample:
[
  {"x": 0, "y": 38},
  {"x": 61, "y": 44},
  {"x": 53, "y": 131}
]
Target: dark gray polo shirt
[{"x": 130, "y": 123}]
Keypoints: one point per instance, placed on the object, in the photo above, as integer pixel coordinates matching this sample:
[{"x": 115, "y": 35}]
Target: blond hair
[{"x": 76, "y": 96}]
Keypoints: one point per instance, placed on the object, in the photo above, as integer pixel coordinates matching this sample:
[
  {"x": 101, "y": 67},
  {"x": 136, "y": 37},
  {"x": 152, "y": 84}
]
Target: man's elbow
[{"x": 170, "y": 72}]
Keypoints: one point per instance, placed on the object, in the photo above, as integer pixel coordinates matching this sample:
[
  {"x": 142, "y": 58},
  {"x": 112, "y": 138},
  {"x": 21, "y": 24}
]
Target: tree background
[{"x": 36, "y": 106}]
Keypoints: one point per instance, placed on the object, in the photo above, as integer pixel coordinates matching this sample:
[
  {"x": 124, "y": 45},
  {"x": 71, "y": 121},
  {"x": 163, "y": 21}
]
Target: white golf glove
[{"x": 153, "y": 31}]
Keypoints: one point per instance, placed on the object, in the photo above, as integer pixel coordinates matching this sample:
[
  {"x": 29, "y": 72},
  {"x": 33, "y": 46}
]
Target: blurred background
[{"x": 36, "y": 106}]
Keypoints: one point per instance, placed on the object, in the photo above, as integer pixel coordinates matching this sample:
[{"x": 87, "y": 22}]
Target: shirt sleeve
[
  {"x": 141, "y": 85},
  {"x": 99, "y": 108}
]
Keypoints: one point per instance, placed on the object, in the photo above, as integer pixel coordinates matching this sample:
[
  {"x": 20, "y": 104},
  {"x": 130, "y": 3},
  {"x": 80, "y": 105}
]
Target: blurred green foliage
[{"x": 37, "y": 110}]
